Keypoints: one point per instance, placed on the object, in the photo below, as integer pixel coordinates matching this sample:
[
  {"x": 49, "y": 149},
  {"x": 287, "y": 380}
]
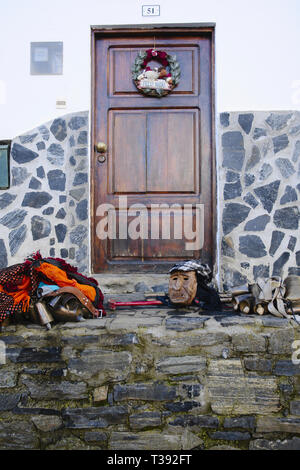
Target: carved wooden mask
[{"x": 182, "y": 287}]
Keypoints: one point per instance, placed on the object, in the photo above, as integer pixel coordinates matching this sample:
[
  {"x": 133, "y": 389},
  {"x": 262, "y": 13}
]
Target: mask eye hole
[{"x": 175, "y": 278}]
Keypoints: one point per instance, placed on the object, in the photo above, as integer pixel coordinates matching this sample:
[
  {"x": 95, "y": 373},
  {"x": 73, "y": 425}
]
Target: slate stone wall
[
  {"x": 46, "y": 207},
  {"x": 259, "y": 186},
  {"x": 151, "y": 379}
]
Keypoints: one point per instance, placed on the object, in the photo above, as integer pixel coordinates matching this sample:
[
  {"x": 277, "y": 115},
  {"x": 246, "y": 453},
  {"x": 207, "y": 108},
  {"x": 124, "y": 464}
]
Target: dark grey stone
[
  {"x": 48, "y": 211},
  {"x": 250, "y": 199},
  {"x": 8, "y": 401},
  {"x": 254, "y": 158},
  {"x": 3, "y": 255},
  {"x": 78, "y": 235},
  {"x": 48, "y": 354},
  {"x": 36, "y": 199},
  {"x": 259, "y": 132},
  {"x": 59, "y": 129},
  {"x": 177, "y": 407},
  {"x": 278, "y": 121},
  {"x": 261, "y": 271},
  {"x": 288, "y": 218},
  {"x": 279, "y": 263},
  {"x": 233, "y": 150},
  {"x": 82, "y": 210},
  {"x": 245, "y": 121},
  {"x": 6, "y": 199},
  {"x": 274, "y": 322},
  {"x": 80, "y": 178},
  {"x": 292, "y": 243},
  {"x": 294, "y": 130},
  {"x": 145, "y": 392},
  {"x": 294, "y": 271},
  {"x": 280, "y": 142},
  {"x": 286, "y": 368},
  {"x": 233, "y": 139},
  {"x": 160, "y": 288},
  {"x": 52, "y": 241},
  {"x": 72, "y": 141},
  {"x": 277, "y": 238},
  {"x": 72, "y": 253},
  {"x": 258, "y": 364},
  {"x": 40, "y": 227},
  {"x": 233, "y": 278},
  {"x": 62, "y": 199},
  {"x": 34, "y": 183},
  {"x": 298, "y": 258},
  {"x": 81, "y": 152},
  {"x": 16, "y": 238},
  {"x": 44, "y": 131},
  {"x": 40, "y": 172},
  {"x": 185, "y": 323},
  {"x": 81, "y": 253},
  {"x": 200, "y": 421},
  {"x": 290, "y": 195},
  {"x": 224, "y": 119},
  {"x": 296, "y": 152},
  {"x": 76, "y": 122},
  {"x": 227, "y": 250},
  {"x": 55, "y": 154},
  {"x": 258, "y": 224},
  {"x": 77, "y": 193},
  {"x": 233, "y": 159},
  {"x": 241, "y": 422},
  {"x": 265, "y": 171},
  {"x": 231, "y": 435},
  {"x": 22, "y": 154},
  {"x": 267, "y": 194},
  {"x": 245, "y": 265},
  {"x": 40, "y": 145},
  {"x": 141, "y": 287},
  {"x": 19, "y": 175},
  {"x": 96, "y": 417},
  {"x": 232, "y": 176},
  {"x": 52, "y": 252},
  {"x": 249, "y": 179},
  {"x": 72, "y": 161},
  {"x": 61, "y": 213},
  {"x": 61, "y": 231},
  {"x": 71, "y": 203},
  {"x": 233, "y": 215},
  {"x": 286, "y": 168},
  {"x": 64, "y": 253},
  {"x": 13, "y": 219},
  {"x": 232, "y": 190},
  {"x": 252, "y": 246},
  {"x": 56, "y": 180},
  {"x": 28, "y": 138},
  {"x": 82, "y": 138}
]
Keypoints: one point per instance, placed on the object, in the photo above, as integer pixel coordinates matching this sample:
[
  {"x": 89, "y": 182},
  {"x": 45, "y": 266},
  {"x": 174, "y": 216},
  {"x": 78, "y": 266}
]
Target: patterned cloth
[
  {"x": 19, "y": 283},
  {"x": 202, "y": 270}
]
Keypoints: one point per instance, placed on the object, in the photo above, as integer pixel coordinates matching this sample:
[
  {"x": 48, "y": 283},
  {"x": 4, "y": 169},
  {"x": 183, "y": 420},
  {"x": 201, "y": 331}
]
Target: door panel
[{"x": 160, "y": 154}]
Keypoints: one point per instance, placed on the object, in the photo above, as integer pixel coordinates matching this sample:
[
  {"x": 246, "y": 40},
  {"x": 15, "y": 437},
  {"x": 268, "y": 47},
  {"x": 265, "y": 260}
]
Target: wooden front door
[{"x": 159, "y": 158}]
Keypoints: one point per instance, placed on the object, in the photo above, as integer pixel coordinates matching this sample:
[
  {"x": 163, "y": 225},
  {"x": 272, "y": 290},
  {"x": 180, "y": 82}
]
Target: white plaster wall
[{"x": 257, "y": 41}]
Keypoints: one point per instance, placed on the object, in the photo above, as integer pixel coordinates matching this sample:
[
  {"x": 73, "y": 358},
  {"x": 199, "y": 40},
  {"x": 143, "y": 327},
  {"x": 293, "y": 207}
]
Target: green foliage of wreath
[{"x": 138, "y": 67}]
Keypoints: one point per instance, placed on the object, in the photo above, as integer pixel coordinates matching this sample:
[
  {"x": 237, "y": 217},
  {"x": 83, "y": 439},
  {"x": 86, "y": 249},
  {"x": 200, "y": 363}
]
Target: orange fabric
[
  {"x": 20, "y": 296},
  {"x": 59, "y": 277}
]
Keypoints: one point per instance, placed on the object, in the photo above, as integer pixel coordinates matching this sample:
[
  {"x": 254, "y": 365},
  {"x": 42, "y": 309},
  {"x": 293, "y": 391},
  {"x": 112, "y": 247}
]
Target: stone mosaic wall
[
  {"x": 46, "y": 207},
  {"x": 151, "y": 379},
  {"x": 259, "y": 186}
]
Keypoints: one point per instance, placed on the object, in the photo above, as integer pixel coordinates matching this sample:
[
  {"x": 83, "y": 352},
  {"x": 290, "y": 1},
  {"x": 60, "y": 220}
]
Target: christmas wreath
[{"x": 158, "y": 81}]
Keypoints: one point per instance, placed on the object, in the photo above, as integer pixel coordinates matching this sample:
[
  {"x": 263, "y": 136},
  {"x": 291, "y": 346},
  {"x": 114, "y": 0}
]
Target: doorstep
[{"x": 132, "y": 283}]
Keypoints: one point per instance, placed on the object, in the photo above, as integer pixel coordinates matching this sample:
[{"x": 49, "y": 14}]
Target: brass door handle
[{"x": 101, "y": 147}]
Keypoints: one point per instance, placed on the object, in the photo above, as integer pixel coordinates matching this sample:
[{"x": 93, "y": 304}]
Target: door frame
[{"x": 115, "y": 30}]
